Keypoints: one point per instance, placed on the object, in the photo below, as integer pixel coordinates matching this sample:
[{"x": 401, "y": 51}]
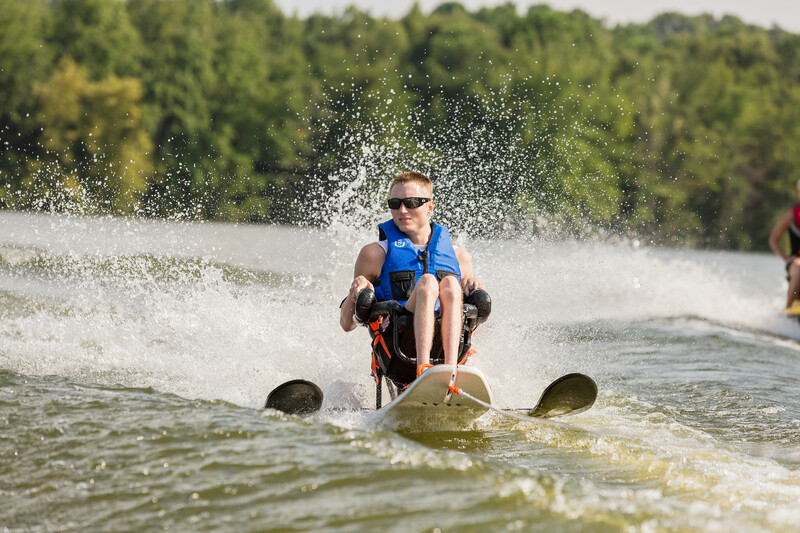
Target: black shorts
[{"x": 406, "y": 338}]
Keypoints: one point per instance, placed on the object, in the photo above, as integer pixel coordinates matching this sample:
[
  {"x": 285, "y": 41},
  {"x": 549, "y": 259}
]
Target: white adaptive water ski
[{"x": 422, "y": 403}]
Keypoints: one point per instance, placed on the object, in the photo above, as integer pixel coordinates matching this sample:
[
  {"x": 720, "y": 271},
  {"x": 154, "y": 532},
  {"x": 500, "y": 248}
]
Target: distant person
[
  {"x": 789, "y": 222},
  {"x": 414, "y": 263}
]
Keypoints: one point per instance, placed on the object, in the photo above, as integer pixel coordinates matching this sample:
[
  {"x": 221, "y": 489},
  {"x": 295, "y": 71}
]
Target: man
[
  {"x": 416, "y": 264},
  {"x": 789, "y": 222}
]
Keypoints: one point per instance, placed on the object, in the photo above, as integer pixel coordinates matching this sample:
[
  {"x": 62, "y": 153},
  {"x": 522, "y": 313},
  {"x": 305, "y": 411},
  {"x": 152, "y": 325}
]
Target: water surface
[{"x": 135, "y": 357}]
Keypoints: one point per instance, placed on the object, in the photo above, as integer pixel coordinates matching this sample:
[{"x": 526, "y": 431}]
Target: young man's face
[{"x": 411, "y": 220}]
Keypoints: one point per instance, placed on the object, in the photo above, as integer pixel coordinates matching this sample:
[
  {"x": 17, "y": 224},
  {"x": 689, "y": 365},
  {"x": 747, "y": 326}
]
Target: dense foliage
[{"x": 682, "y": 128}]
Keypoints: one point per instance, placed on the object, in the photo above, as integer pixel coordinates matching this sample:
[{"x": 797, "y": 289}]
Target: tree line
[{"x": 682, "y": 128}]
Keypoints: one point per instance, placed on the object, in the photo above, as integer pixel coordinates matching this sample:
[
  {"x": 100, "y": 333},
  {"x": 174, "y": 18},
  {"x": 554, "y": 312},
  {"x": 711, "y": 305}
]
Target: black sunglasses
[{"x": 410, "y": 203}]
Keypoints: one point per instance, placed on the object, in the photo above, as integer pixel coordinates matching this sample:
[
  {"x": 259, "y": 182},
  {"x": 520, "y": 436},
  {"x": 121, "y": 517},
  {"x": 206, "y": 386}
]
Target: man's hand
[
  {"x": 471, "y": 284},
  {"x": 359, "y": 284},
  {"x": 349, "y": 305}
]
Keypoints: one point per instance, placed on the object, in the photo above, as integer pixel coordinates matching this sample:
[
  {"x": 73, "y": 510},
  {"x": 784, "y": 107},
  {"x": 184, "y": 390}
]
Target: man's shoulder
[
  {"x": 370, "y": 261},
  {"x": 372, "y": 252},
  {"x": 461, "y": 254}
]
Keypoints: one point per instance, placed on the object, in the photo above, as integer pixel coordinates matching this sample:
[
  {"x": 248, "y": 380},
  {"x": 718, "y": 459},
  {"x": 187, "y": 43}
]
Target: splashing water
[
  {"x": 694, "y": 428},
  {"x": 490, "y": 175}
]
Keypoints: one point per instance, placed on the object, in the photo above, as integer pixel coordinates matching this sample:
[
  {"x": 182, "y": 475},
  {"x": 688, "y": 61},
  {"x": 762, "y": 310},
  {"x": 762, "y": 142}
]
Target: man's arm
[
  {"x": 777, "y": 232},
  {"x": 368, "y": 268},
  {"x": 468, "y": 282}
]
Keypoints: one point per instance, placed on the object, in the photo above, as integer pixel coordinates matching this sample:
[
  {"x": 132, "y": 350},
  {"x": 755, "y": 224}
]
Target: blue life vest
[{"x": 405, "y": 264}]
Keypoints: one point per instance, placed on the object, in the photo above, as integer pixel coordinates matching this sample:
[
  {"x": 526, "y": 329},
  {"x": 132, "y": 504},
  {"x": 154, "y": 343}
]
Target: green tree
[
  {"x": 97, "y": 151},
  {"x": 98, "y": 35},
  {"x": 24, "y": 60},
  {"x": 255, "y": 104},
  {"x": 178, "y": 77}
]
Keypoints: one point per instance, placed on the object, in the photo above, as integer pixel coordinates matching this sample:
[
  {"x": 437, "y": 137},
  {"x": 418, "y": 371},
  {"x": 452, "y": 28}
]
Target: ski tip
[{"x": 295, "y": 397}]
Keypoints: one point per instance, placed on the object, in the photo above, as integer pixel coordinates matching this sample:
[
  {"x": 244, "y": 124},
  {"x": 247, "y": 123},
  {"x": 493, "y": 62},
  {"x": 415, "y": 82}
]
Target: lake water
[{"x": 135, "y": 357}]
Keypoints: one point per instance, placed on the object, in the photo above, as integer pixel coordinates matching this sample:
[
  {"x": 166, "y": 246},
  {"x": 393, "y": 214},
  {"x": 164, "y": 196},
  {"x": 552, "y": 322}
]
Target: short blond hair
[{"x": 416, "y": 177}]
